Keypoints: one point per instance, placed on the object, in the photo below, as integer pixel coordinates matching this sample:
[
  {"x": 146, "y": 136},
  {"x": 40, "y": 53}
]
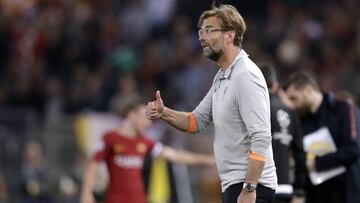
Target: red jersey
[{"x": 124, "y": 158}]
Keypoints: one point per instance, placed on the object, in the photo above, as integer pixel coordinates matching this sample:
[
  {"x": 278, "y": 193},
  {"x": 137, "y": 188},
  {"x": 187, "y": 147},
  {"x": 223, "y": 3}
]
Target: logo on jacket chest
[
  {"x": 128, "y": 161},
  {"x": 141, "y": 148},
  {"x": 283, "y": 120},
  {"x": 119, "y": 148}
]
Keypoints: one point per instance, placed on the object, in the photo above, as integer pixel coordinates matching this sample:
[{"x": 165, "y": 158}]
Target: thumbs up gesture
[{"x": 154, "y": 109}]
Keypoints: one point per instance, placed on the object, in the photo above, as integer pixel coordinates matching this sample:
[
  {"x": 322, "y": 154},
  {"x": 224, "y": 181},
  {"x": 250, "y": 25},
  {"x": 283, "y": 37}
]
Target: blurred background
[{"x": 66, "y": 65}]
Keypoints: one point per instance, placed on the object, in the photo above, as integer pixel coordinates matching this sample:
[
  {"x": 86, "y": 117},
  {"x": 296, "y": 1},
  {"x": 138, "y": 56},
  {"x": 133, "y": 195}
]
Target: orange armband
[
  {"x": 192, "y": 124},
  {"x": 257, "y": 157}
]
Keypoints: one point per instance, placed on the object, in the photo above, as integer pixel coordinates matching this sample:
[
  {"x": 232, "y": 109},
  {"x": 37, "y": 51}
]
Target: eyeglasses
[{"x": 207, "y": 31}]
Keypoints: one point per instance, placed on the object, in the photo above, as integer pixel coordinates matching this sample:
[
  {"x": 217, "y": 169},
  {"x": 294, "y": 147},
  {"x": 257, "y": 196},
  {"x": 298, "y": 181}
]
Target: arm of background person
[
  {"x": 89, "y": 179},
  {"x": 348, "y": 150},
  {"x": 300, "y": 157},
  {"x": 185, "y": 157}
]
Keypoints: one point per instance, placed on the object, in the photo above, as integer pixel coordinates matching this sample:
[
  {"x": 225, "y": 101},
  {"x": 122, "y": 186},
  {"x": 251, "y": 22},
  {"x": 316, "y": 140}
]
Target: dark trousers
[
  {"x": 263, "y": 194},
  {"x": 330, "y": 191},
  {"x": 282, "y": 198}
]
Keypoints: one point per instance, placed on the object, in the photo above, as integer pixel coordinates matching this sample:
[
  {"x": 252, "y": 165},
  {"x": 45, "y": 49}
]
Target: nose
[
  {"x": 201, "y": 35},
  {"x": 201, "y": 38}
]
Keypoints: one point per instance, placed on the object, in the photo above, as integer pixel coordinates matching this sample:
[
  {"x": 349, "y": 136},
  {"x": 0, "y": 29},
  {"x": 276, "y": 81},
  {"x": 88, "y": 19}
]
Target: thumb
[{"x": 158, "y": 96}]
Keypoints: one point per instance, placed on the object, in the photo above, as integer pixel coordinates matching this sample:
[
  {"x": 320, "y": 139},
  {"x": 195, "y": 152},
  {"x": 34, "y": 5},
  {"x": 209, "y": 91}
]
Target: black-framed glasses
[{"x": 208, "y": 30}]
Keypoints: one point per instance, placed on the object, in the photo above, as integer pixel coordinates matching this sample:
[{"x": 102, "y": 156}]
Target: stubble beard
[{"x": 213, "y": 55}]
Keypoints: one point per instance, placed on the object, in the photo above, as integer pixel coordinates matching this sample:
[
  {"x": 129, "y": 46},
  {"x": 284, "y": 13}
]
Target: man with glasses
[{"x": 238, "y": 107}]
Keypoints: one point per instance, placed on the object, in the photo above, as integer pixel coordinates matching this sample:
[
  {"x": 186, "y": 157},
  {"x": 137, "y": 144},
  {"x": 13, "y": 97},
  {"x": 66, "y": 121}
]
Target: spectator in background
[
  {"x": 318, "y": 110},
  {"x": 34, "y": 177},
  {"x": 135, "y": 22},
  {"x": 286, "y": 142},
  {"x": 123, "y": 150},
  {"x": 237, "y": 105}
]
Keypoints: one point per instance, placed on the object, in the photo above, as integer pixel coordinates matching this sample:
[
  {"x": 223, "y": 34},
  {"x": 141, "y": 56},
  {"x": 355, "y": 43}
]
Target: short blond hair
[{"x": 230, "y": 20}]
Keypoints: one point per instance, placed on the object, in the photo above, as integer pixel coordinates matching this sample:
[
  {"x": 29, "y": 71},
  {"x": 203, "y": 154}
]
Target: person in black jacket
[
  {"x": 318, "y": 110},
  {"x": 286, "y": 141}
]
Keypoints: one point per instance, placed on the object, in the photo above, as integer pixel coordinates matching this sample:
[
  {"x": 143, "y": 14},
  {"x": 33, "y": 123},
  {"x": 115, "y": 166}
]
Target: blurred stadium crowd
[{"x": 62, "y": 57}]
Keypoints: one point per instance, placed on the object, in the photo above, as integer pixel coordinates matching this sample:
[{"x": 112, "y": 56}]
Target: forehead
[
  {"x": 212, "y": 21},
  {"x": 292, "y": 90}
]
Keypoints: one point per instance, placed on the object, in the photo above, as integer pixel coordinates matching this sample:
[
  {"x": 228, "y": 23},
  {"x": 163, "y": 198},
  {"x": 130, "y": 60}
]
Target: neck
[
  {"x": 316, "y": 102},
  {"x": 229, "y": 56},
  {"x": 128, "y": 130}
]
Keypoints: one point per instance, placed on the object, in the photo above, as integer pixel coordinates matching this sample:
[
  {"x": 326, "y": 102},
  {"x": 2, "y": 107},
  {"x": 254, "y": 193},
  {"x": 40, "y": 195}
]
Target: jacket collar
[{"x": 226, "y": 74}]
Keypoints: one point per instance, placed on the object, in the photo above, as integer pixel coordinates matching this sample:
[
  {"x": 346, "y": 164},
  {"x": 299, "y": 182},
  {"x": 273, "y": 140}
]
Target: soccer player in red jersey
[{"x": 124, "y": 150}]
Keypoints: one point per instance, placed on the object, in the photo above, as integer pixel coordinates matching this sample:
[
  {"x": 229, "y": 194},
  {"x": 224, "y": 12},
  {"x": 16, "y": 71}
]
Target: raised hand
[{"x": 154, "y": 109}]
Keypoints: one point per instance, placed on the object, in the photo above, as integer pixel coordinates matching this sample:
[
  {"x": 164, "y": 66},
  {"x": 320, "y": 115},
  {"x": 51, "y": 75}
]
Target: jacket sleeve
[
  {"x": 252, "y": 98},
  {"x": 203, "y": 112},
  {"x": 348, "y": 150},
  {"x": 298, "y": 154}
]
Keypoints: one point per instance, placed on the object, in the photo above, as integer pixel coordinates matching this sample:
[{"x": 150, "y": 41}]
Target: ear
[
  {"x": 275, "y": 86},
  {"x": 230, "y": 36}
]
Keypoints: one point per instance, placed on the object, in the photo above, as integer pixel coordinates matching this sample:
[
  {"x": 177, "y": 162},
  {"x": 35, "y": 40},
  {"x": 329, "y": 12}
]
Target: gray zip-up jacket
[{"x": 238, "y": 106}]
